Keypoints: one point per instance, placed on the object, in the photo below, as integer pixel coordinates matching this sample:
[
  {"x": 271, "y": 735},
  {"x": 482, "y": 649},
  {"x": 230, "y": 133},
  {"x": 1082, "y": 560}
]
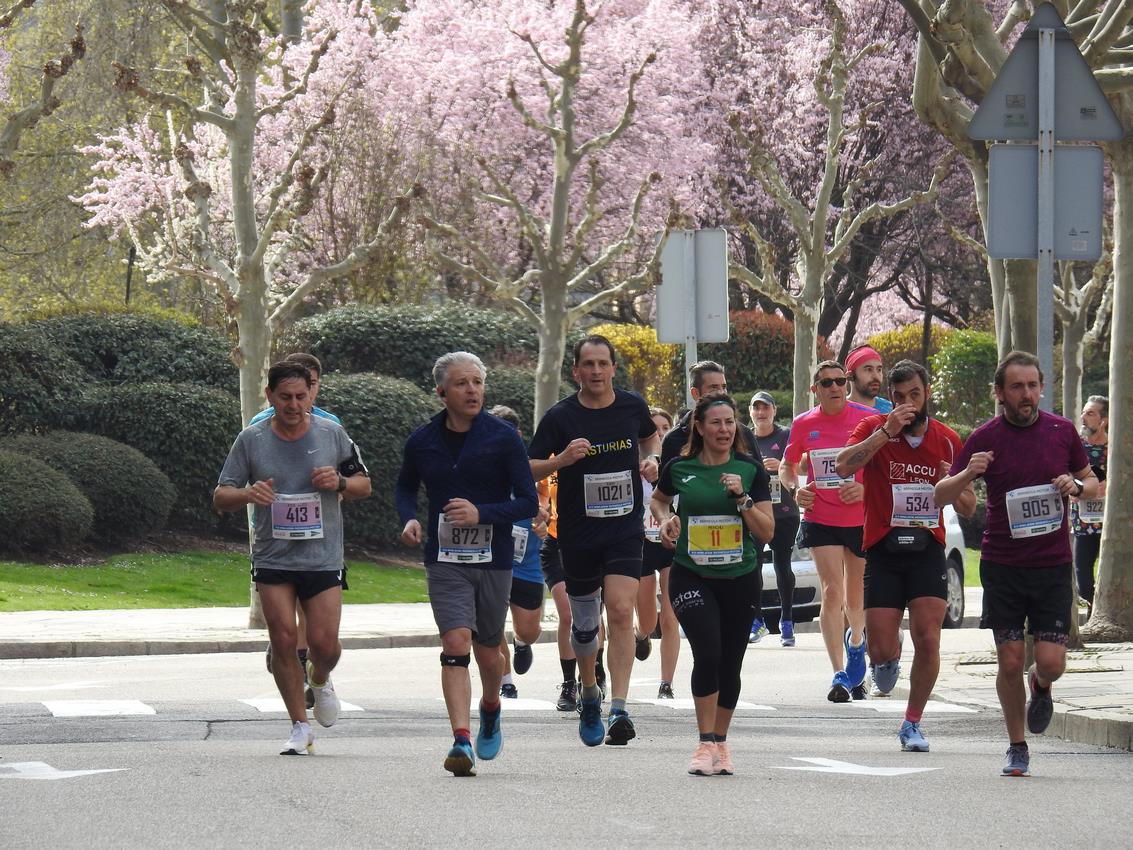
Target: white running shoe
[
  {"x": 301, "y": 742},
  {"x": 326, "y": 700}
]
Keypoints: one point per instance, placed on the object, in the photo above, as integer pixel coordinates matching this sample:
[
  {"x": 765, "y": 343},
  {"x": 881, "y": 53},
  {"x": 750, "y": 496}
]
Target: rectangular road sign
[{"x": 699, "y": 259}]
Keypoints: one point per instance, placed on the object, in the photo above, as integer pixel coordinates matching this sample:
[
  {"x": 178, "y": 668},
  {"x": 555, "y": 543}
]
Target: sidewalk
[{"x": 1093, "y": 702}]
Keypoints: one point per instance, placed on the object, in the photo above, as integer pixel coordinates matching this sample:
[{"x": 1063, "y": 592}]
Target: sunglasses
[{"x": 829, "y": 382}]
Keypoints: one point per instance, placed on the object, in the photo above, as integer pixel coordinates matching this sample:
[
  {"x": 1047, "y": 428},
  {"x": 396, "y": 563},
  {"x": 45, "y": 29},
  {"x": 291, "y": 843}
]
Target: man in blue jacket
[{"x": 475, "y": 471}]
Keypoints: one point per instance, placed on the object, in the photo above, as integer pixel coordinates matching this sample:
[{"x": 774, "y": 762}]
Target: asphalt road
[{"x": 200, "y": 767}]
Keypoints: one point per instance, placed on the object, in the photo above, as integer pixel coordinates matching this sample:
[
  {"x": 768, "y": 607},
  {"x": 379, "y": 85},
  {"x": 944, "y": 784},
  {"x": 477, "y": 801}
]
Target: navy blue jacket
[{"x": 492, "y": 472}]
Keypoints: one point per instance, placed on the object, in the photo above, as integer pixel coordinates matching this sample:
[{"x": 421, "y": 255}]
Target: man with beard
[
  {"x": 902, "y": 455},
  {"x": 1086, "y": 517},
  {"x": 1031, "y": 461},
  {"x": 863, "y": 368}
]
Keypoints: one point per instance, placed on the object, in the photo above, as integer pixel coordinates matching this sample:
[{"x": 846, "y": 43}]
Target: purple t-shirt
[{"x": 1024, "y": 457}]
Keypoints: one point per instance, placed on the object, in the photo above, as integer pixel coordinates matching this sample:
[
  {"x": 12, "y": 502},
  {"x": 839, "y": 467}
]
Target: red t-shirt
[
  {"x": 821, "y": 437},
  {"x": 896, "y": 470}
]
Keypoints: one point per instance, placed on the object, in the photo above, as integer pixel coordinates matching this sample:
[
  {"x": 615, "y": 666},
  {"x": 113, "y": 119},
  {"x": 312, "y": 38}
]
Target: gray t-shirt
[{"x": 300, "y": 510}]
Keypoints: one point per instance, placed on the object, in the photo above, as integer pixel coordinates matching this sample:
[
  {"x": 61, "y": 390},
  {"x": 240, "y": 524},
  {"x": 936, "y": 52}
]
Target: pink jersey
[{"x": 821, "y": 437}]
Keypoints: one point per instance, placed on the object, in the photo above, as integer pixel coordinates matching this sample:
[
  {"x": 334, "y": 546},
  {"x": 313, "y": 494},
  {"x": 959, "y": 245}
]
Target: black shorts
[
  {"x": 528, "y": 595},
  {"x": 1040, "y": 595},
  {"x": 655, "y": 557},
  {"x": 585, "y": 568},
  {"x": 308, "y": 583},
  {"x": 551, "y": 562},
  {"x": 813, "y": 534},
  {"x": 891, "y": 580}
]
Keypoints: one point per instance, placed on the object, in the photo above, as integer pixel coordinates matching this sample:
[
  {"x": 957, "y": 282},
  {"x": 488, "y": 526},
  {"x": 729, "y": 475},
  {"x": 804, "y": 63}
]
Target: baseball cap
[{"x": 763, "y": 397}]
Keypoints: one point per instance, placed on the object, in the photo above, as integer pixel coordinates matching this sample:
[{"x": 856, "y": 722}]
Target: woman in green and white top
[{"x": 723, "y": 518}]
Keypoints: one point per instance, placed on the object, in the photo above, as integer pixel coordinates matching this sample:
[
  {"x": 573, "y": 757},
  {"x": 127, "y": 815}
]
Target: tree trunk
[
  {"x": 1073, "y": 363},
  {"x": 806, "y": 345},
  {"x": 291, "y": 19},
  {"x": 552, "y": 346},
  {"x": 1023, "y": 306}
]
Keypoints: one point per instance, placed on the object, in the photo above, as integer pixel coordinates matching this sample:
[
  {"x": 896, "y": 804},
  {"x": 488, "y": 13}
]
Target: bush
[
  {"x": 183, "y": 428},
  {"x": 121, "y": 348},
  {"x": 963, "y": 369},
  {"x": 130, "y": 495},
  {"x": 404, "y": 342},
  {"x": 650, "y": 367},
  {"x": 51, "y": 514},
  {"x": 379, "y": 413},
  {"x": 36, "y": 380},
  {"x": 905, "y": 344}
]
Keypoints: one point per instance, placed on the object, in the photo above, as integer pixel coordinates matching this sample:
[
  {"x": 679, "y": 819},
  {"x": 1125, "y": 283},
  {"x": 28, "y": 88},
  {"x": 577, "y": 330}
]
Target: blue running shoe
[
  {"x": 840, "y": 688},
  {"x": 758, "y": 631},
  {"x": 786, "y": 633},
  {"x": 1017, "y": 762},
  {"x": 489, "y": 740},
  {"x": 621, "y": 730},
  {"x": 855, "y": 660},
  {"x": 885, "y": 676},
  {"x": 912, "y": 740},
  {"x": 591, "y": 729},
  {"x": 460, "y": 761}
]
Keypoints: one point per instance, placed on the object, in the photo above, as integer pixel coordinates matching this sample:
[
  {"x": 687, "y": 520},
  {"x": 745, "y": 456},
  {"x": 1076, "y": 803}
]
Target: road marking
[
  {"x": 43, "y": 771},
  {"x": 832, "y": 766},
  {"x": 63, "y": 686},
  {"x": 274, "y": 705},
  {"x": 519, "y": 704},
  {"x": 97, "y": 707},
  {"x": 898, "y": 707},
  {"x": 686, "y": 704}
]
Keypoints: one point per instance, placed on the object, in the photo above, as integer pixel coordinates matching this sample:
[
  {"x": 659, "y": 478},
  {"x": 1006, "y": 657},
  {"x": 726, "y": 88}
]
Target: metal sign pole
[
  {"x": 688, "y": 237},
  {"x": 1044, "y": 279}
]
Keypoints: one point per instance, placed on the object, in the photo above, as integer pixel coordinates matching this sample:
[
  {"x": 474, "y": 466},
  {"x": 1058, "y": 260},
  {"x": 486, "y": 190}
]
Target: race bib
[
  {"x": 914, "y": 507},
  {"x": 465, "y": 544},
  {"x": 1032, "y": 511},
  {"x": 608, "y": 494},
  {"x": 776, "y": 490},
  {"x": 519, "y": 537},
  {"x": 297, "y": 516},
  {"x": 715, "y": 541},
  {"x": 822, "y": 466},
  {"x": 1091, "y": 511},
  {"x": 652, "y": 528}
]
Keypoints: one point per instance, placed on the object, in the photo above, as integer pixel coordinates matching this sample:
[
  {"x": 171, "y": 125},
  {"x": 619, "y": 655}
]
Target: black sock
[
  {"x": 1022, "y": 744},
  {"x": 720, "y": 739},
  {"x": 707, "y": 738},
  {"x": 569, "y": 666},
  {"x": 302, "y": 653}
]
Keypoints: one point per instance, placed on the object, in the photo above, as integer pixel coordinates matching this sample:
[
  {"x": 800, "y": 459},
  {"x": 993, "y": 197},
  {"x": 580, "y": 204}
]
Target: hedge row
[{"x": 42, "y": 509}]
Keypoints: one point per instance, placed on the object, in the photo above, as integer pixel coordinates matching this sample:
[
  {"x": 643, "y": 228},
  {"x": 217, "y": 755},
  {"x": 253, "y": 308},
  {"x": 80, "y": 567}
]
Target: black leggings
[
  {"x": 1086, "y": 549},
  {"x": 716, "y": 614},
  {"x": 782, "y": 545}
]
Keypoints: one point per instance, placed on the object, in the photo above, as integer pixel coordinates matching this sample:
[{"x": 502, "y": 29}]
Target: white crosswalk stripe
[
  {"x": 97, "y": 707},
  {"x": 274, "y": 705}
]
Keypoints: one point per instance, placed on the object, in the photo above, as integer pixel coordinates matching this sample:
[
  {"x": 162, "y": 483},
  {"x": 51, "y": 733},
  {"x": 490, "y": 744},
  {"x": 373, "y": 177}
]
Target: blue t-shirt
[
  {"x": 882, "y": 405},
  {"x": 525, "y": 564}
]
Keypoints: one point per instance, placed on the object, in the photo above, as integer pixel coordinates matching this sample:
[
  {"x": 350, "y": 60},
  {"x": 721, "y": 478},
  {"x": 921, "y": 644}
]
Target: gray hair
[
  {"x": 1102, "y": 402},
  {"x": 440, "y": 368}
]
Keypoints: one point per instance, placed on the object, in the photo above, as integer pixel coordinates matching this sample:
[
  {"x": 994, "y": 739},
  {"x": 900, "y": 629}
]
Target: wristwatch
[
  {"x": 342, "y": 482},
  {"x": 745, "y": 504},
  {"x": 1081, "y": 488}
]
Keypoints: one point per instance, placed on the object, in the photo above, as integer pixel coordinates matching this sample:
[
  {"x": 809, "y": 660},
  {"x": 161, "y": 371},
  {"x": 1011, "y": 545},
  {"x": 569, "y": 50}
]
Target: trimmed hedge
[
  {"x": 379, "y": 413},
  {"x": 130, "y": 495},
  {"x": 42, "y": 509},
  {"x": 904, "y": 343},
  {"x": 961, "y": 386},
  {"x": 36, "y": 379},
  {"x": 650, "y": 367}
]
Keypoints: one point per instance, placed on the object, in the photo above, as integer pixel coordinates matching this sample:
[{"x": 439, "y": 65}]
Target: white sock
[
  {"x": 517, "y": 643},
  {"x": 507, "y": 679}
]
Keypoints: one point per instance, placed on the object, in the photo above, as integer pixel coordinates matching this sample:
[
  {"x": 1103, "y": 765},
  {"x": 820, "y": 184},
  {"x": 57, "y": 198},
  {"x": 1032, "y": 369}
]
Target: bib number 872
[{"x": 466, "y": 536}]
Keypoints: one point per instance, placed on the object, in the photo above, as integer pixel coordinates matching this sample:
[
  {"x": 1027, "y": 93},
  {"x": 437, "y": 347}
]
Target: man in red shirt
[{"x": 902, "y": 455}]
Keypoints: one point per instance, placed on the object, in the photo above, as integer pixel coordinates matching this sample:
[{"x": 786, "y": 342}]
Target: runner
[
  {"x": 705, "y": 376},
  {"x": 656, "y": 560},
  {"x": 600, "y": 442},
  {"x": 724, "y": 517},
  {"x": 1086, "y": 517},
  {"x": 863, "y": 368},
  {"x": 772, "y": 441},
  {"x": 902, "y": 454},
  {"x": 1031, "y": 461},
  {"x": 832, "y": 523},
  {"x": 478, "y": 484},
  {"x": 293, "y": 467}
]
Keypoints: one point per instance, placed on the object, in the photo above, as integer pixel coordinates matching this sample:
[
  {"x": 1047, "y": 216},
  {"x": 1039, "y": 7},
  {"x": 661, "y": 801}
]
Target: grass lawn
[
  {"x": 181, "y": 580},
  {"x": 972, "y": 568}
]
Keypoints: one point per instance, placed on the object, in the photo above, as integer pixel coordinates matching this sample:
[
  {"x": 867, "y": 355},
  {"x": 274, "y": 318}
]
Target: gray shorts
[{"x": 469, "y": 598}]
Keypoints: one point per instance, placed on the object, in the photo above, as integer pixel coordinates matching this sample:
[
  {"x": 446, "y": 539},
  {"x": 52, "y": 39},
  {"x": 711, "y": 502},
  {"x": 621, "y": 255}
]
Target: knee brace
[
  {"x": 455, "y": 660},
  {"x": 586, "y": 616}
]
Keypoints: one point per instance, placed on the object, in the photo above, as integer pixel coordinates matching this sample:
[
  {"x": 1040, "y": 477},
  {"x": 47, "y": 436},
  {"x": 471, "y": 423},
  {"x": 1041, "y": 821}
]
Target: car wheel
[{"x": 954, "y": 613}]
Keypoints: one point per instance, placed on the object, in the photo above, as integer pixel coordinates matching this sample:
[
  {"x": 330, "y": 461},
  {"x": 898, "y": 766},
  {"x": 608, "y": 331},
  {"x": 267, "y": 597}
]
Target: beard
[
  {"x": 1015, "y": 415},
  {"x": 919, "y": 419},
  {"x": 1087, "y": 431}
]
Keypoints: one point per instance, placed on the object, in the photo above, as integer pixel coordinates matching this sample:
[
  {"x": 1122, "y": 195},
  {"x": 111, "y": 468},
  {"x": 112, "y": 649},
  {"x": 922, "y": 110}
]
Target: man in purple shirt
[{"x": 1031, "y": 461}]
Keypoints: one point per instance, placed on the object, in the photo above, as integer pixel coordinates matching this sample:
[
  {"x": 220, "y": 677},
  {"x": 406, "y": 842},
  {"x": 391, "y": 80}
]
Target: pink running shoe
[
  {"x": 723, "y": 763},
  {"x": 703, "y": 760}
]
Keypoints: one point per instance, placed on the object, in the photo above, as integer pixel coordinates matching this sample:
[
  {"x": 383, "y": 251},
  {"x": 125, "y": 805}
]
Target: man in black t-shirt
[
  {"x": 600, "y": 442},
  {"x": 707, "y": 376}
]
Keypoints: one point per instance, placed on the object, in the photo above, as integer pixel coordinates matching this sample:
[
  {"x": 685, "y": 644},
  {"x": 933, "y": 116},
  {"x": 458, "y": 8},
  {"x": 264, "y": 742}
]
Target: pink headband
[{"x": 859, "y": 356}]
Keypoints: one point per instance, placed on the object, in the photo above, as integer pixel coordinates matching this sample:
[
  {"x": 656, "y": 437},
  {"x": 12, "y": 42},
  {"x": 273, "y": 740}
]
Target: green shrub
[
  {"x": 379, "y": 413},
  {"x": 962, "y": 374},
  {"x": 130, "y": 495},
  {"x": 122, "y": 348},
  {"x": 183, "y": 428},
  {"x": 905, "y": 344},
  {"x": 36, "y": 380},
  {"x": 515, "y": 387},
  {"x": 42, "y": 509}
]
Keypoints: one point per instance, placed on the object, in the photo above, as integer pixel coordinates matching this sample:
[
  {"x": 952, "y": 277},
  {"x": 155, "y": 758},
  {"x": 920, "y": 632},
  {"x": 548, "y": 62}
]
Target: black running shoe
[
  {"x": 267, "y": 657},
  {"x": 1040, "y": 707},
  {"x": 643, "y": 647},
  {"x": 521, "y": 658},
  {"x": 509, "y": 691},
  {"x": 859, "y": 691},
  {"x": 620, "y": 731},
  {"x": 568, "y": 696},
  {"x": 665, "y": 691},
  {"x": 600, "y": 678}
]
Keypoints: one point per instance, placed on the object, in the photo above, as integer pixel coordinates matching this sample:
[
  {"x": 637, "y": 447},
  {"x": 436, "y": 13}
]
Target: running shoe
[
  {"x": 1040, "y": 707},
  {"x": 490, "y": 738},
  {"x": 308, "y": 693},
  {"x": 859, "y": 691},
  {"x": 665, "y": 691},
  {"x": 600, "y": 678},
  {"x": 885, "y": 677},
  {"x": 723, "y": 764},
  {"x": 460, "y": 761},
  {"x": 911, "y": 738},
  {"x": 568, "y": 696},
  {"x": 758, "y": 632},
  {"x": 703, "y": 759},
  {"x": 1017, "y": 762},
  {"x": 326, "y": 700},
  {"x": 643, "y": 647},
  {"x": 855, "y": 660},
  {"x": 522, "y": 657},
  {"x": 509, "y": 691},
  {"x": 787, "y": 632},
  {"x": 591, "y": 729},
  {"x": 840, "y": 688},
  {"x": 301, "y": 742},
  {"x": 621, "y": 729},
  {"x": 267, "y": 657}
]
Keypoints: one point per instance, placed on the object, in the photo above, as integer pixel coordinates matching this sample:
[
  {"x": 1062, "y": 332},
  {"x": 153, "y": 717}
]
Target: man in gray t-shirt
[{"x": 293, "y": 468}]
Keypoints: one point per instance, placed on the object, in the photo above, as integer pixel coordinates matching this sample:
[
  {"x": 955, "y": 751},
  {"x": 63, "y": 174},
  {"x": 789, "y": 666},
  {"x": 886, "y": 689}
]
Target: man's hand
[
  {"x": 851, "y": 492},
  {"x": 461, "y": 512},
  {"x": 979, "y": 463},
  {"x": 670, "y": 531},
  {"x": 805, "y": 496},
  {"x": 575, "y": 451},
  {"x": 771, "y": 464},
  {"x": 1065, "y": 485},
  {"x": 411, "y": 534},
  {"x": 899, "y": 417},
  {"x": 261, "y": 493},
  {"x": 325, "y": 477},
  {"x": 649, "y": 470}
]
